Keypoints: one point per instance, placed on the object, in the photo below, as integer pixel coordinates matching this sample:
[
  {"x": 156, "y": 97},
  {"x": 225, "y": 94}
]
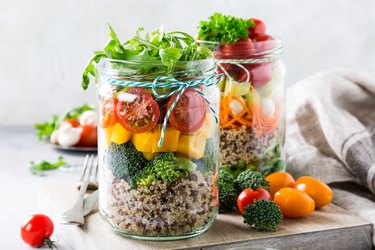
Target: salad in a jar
[
  {"x": 252, "y": 122},
  {"x": 158, "y": 135}
]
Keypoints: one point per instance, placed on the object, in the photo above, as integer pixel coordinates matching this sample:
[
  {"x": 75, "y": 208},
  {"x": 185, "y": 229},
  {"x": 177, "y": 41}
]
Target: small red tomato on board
[
  {"x": 320, "y": 192},
  {"x": 89, "y": 137},
  {"x": 36, "y": 230},
  {"x": 73, "y": 122},
  {"x": 107, "y": 111},
  {"x": 264, "y": 43},
  {"x": 189, "y": 113},
  {"x": 139, "y": 115},
  {"x": 248, "y": 196},
  {"x": 242, "y": 49},
  {"x": 259, "y": 29}
]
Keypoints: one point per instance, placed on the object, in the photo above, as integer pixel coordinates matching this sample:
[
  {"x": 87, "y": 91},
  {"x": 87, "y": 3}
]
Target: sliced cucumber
[{"x": 241, "y": 89}]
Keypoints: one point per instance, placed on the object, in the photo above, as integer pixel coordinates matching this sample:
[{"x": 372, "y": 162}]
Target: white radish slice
[
  {"x": 235, "y": 107},
  {"x": 268, "y": 106},
  {"x": 126, "y": 97}
]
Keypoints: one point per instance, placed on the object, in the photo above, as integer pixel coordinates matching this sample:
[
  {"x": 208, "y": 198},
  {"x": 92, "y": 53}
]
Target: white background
[{"x": 45, "y": 44}]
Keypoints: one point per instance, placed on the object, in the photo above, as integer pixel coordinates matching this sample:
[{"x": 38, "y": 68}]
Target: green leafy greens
[
  {"x": 44, "y": 130},
  {"x": 224, "y": 28},
  {"x": 157, "y": 46},
  {"x": 38, "y": 169}
]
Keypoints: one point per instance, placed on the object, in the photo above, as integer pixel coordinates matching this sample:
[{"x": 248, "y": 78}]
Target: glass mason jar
[
  {"x": 252, "y": 113},
  {"x": 158, "y": 170}
]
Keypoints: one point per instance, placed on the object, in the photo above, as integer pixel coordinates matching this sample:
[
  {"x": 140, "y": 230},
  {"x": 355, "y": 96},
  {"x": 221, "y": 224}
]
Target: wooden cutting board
[{"x": 327, "y": 228}]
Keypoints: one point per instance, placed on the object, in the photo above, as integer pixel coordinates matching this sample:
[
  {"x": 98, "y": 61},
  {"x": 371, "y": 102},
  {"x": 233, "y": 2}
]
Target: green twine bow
[{"x": 178, "y": 88}]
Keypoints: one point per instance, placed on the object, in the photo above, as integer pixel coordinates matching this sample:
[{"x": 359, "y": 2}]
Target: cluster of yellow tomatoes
[{"x": 298, "y": 198}]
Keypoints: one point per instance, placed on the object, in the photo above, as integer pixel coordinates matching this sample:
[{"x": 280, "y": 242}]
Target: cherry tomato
[
  {"x": 140, "y": 115},
  {"x": 189, "y": 113},
  {"x": 264, "y": 43},
  {"x": 280, "y": 180},
  {"x": 73, "y": 122},
  {"x": 89, "y": 137},
  {"x": 260, "y": 74},
  {"x": 320, "y": 192},
  {"x": 248, "y": 196},
  {"x": 259, "y": 29},
  {"x": 107, "y": 112},
  {"x": 36, "y": 230},
  {"x": 294, "y": 203},
  {"x": 242, "y": 49}
]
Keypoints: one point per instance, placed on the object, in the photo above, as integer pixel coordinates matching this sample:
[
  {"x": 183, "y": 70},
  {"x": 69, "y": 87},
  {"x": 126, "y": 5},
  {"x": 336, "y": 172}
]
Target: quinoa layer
[
  {"x": 162, "y": 210},
  {"x": 244, "y": 145}
]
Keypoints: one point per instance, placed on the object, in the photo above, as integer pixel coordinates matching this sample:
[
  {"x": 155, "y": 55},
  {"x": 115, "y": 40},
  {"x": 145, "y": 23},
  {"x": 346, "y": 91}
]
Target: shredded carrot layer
[{"x": 251, "y": 115}]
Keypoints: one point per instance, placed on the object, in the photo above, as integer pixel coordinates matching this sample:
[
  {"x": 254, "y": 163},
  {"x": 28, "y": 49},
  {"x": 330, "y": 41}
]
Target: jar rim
[{"x": 276, "y": 50}]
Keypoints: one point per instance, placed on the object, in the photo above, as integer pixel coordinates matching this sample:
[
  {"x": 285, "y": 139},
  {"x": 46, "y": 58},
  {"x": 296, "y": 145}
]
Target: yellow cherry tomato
[
  {"x": 320, "y": 192},
  {"x": 294, "y": 203},
  {"x": 279, "y": 180}
]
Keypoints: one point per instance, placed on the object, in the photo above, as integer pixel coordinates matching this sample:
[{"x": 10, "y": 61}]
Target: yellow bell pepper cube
[
  {"x": 208, "y": 127},
  {"x": 143, "y": 141},
  {"x": 148, "y": 155},
  {"x": 192, "y": 146},
  {"x": 107, "y": 133},
  {"x": 119, "y": 134},
  {"x": 170, "y": 141}
]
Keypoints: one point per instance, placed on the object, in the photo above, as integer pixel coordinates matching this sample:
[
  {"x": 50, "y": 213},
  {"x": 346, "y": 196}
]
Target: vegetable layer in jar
[
  {"x": 152, "y": 190},
  {"x": 252, "y": 93}
]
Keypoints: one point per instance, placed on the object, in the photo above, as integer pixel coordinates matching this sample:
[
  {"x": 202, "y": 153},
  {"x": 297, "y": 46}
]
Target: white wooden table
[{"x": 19, "y": 189}]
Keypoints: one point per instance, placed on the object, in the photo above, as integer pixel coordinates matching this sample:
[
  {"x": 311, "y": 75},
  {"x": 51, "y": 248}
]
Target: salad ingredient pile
[
  {"x": 78, "y": 127},
  {"x": 251, "y": 107},
  {"x": 264, "y": 211},
  {"x": 148, "y": 189}
]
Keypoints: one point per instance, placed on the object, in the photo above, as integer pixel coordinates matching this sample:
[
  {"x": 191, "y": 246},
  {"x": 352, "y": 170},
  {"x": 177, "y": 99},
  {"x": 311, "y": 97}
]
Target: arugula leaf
[
  {"x": 45, "y": 129},
  {"x": 224, "y": 28},
  {"x": 38, "y": 169},
  {"x": 160, "y": 49}
]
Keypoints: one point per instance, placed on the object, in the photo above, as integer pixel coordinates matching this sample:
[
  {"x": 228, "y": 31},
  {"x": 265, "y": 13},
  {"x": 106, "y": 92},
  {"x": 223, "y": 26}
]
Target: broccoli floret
[
  {"x": 165, "y": 167},
  {"x": 227, "y": 192},
  {"x": 125, "y": 161},
  {"x": 238, "y": 168},
  {"x": 251, "y": 179},
  {"x": 264, "y": 215}
]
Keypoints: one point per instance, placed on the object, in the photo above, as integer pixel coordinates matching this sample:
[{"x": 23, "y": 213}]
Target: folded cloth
[{"x": 330, "y": 133}]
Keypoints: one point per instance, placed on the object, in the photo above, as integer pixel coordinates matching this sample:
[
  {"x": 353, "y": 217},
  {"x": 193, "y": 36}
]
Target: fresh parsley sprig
[
  {"x": 224, "y": 28},
  {"x": 38, "y": 169}
]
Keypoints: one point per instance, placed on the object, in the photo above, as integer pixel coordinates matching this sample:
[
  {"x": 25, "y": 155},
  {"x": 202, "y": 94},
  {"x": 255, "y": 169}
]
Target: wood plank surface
[{"x": 327, "y": 228}]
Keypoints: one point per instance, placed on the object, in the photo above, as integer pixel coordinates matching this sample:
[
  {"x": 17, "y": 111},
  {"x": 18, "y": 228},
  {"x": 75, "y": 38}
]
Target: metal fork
[{"x": 76, "y": 213}]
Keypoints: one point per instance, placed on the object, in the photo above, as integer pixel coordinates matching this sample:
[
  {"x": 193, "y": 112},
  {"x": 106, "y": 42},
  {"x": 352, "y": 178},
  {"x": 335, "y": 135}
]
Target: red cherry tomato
[
  {"x": 259, "y": 29},
  {"x": 248, "y": 196},
  {"x": 107, "y": 112},
  {"x": 140, "y": 115},
  {"x": 260, "y": 74},
  {"x": 73, "y": 122},
  {"x": 36, "y": 230},
  {"x": 242, "y": 49},
  {"x": 189, "y": 113},
  {"x": 264, "y": 43},
  {"x": 89, "y": 137}
]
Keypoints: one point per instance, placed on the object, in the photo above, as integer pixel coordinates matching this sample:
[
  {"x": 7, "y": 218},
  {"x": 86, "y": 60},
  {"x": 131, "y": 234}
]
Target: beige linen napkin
[{"x": 331, "y": 135}]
